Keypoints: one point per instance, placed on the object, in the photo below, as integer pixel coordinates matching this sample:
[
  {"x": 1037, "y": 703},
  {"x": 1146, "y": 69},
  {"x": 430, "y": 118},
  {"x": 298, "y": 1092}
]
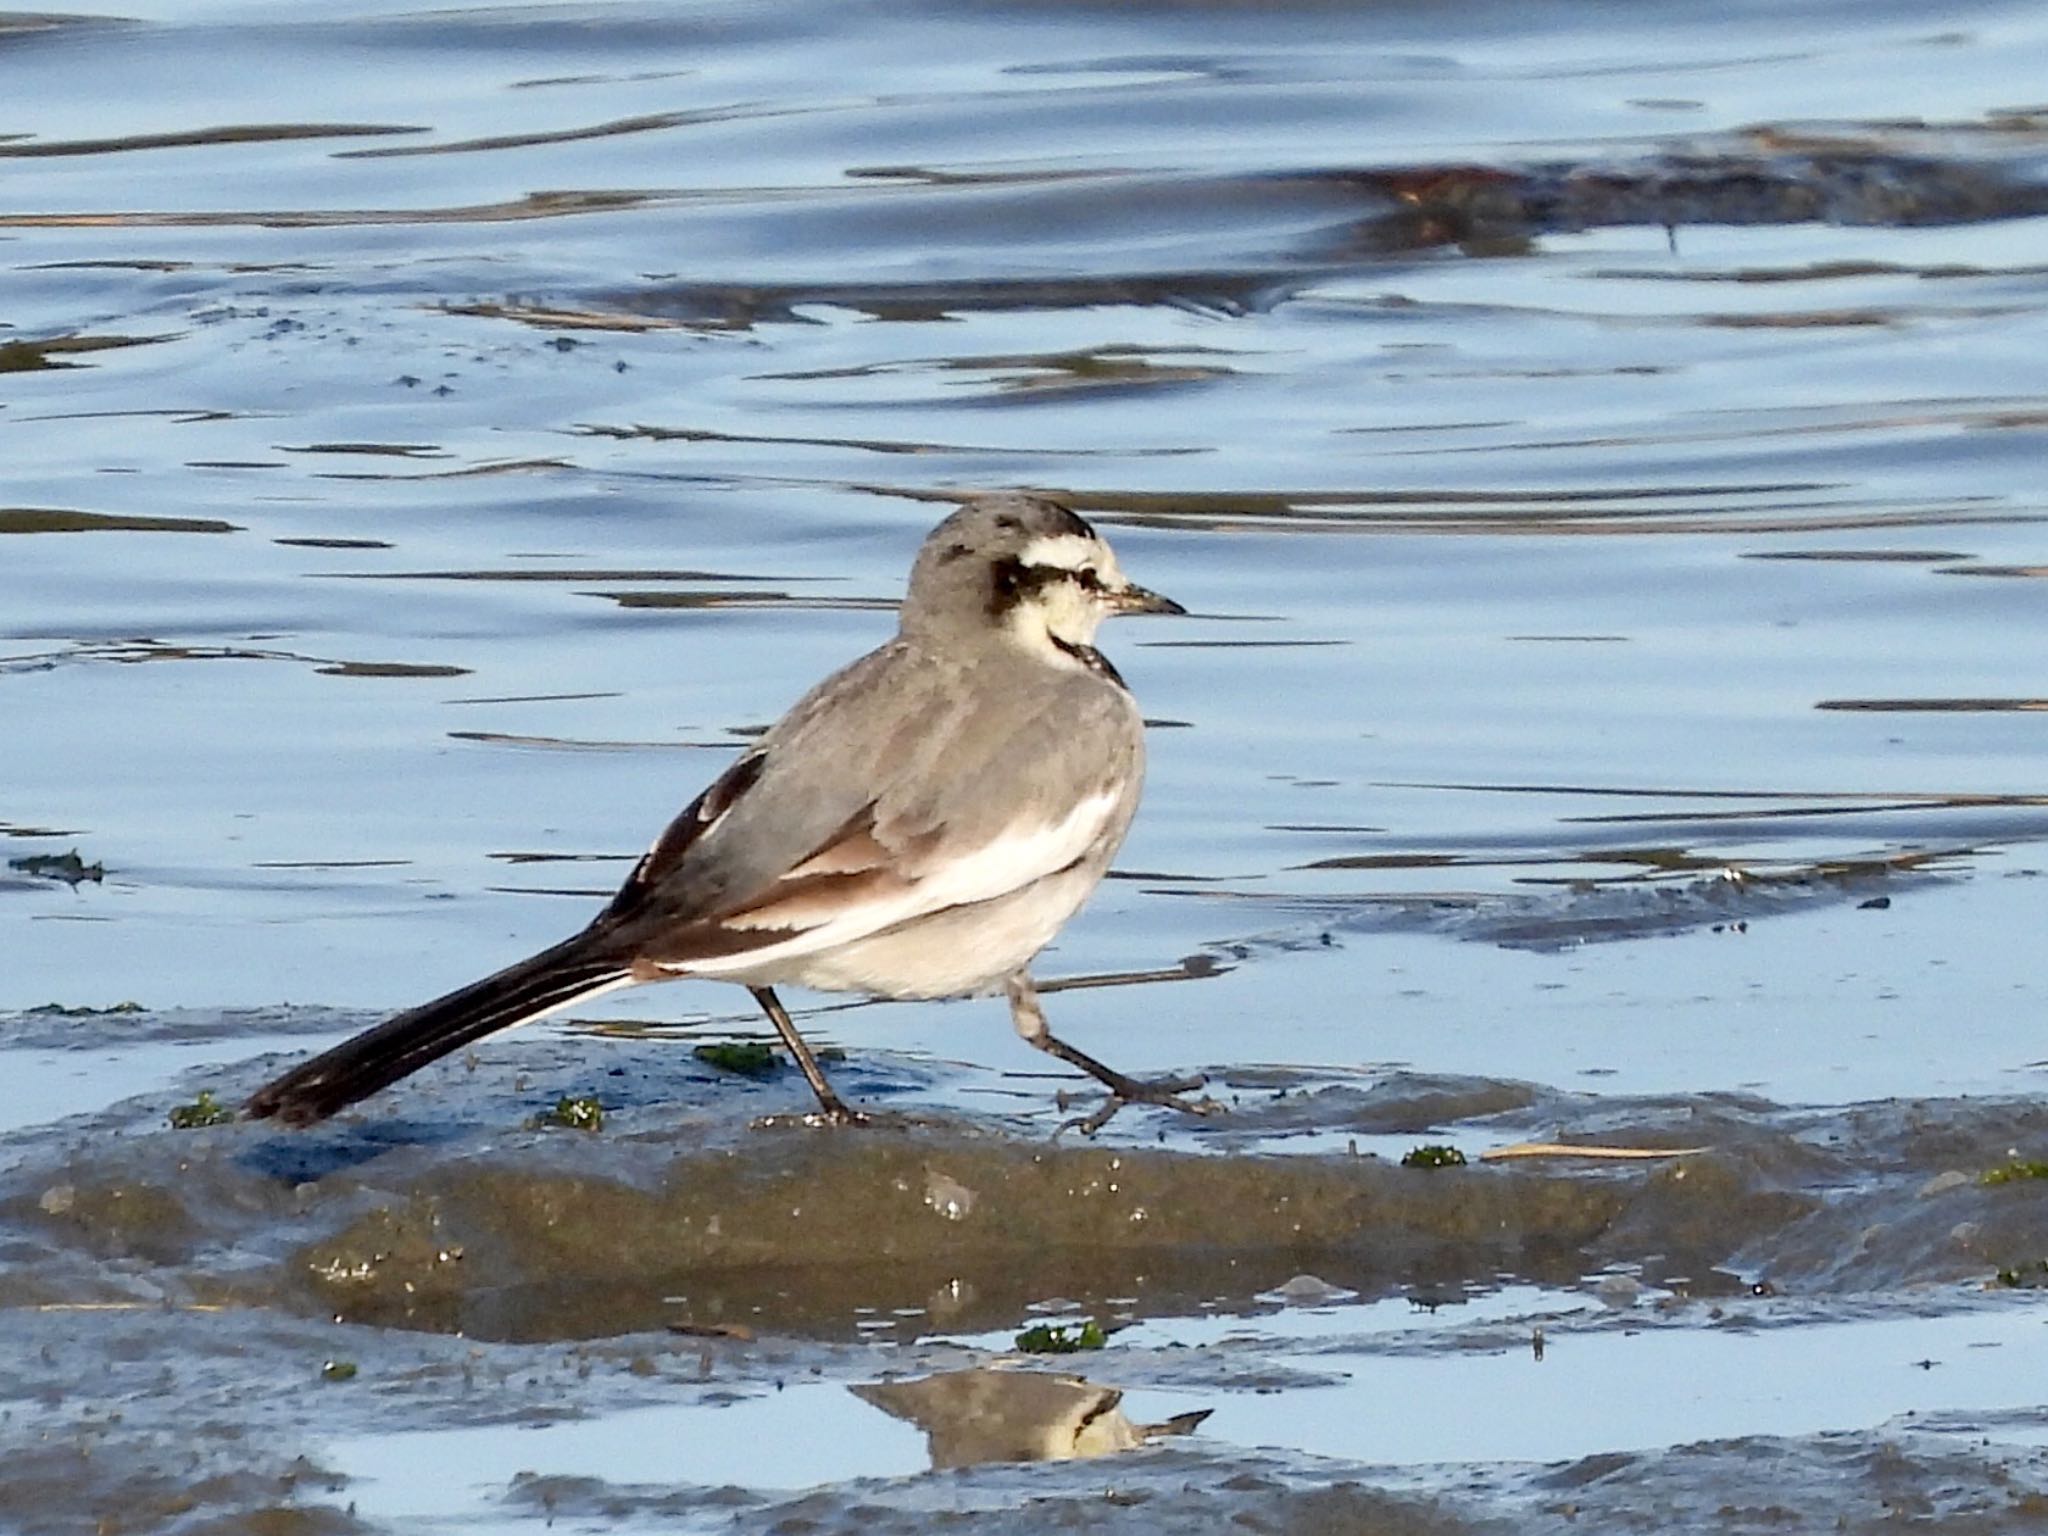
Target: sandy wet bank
[{"x": 436, "y": 1315}]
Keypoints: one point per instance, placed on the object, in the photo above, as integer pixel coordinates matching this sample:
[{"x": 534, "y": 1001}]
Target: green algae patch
[
  {"x": 572, "y": 1113},
  {"x": 747, "y": 1058},
  {"x": 2015, "y": 1172},
  {"x": 1433, "y": 1155},
  {"x": 63, "y": 520},
  {"x": 201, "y": 1112},
  {"x": 1061, "y": 1338}
]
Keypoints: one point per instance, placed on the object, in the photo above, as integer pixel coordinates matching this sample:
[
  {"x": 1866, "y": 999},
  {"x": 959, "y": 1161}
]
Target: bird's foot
[
  {"x": 832, "y": 1109},
  {"x": 845, "y": 1116},
  {"x": 1166, "y": 1092},
  {"x": 833, "y": 1114},
  {"x": 838, "y": 1114}
]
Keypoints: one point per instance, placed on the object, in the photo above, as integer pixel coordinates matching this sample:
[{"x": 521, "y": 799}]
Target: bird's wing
[
  {"x": 667, "y": 863},
  {"x": 859, "y": 885},
  {"x": 891, "y": 792}
]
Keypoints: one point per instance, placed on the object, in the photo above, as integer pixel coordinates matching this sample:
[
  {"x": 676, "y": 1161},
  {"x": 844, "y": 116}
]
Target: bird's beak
[{"x": 1140, "y": 600}]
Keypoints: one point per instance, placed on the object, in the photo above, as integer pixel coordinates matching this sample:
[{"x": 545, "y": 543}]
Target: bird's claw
[
  {"x": 835, "y": 1116},
  {"x": 1166, "y": 1092}
]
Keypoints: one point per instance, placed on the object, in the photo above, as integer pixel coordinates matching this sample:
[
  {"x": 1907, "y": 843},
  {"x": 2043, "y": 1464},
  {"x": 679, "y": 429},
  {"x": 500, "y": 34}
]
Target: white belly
[{"x": 954, "y": 953}]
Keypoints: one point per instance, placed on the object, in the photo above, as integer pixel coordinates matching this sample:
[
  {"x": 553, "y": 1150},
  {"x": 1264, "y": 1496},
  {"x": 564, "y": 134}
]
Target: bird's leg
[
  {"x": 1030, "y": 1021},
  {"x": 830, "y": 1104}
]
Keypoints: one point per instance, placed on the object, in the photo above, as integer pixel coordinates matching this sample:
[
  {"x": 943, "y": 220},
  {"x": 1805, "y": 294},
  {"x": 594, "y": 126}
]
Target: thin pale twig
[{"x": 1567, "y": 1149}]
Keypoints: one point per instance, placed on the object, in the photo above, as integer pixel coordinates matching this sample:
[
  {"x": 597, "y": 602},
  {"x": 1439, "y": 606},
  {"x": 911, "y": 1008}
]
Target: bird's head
[{"x": 1027, "y": 568}]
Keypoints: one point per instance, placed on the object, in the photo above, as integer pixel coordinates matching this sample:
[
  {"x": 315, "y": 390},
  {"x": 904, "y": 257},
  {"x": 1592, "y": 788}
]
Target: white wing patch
[{"x": 1008, "y": 863}]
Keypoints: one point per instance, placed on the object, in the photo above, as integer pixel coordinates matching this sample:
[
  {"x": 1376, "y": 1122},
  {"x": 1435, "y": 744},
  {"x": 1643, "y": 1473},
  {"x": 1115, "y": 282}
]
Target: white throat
[
  {"x": 1058, "y": 630},
  {"x": 1059, "y": 623}
]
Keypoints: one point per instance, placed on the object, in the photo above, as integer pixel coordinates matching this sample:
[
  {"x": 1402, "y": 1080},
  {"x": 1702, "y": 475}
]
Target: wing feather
[
  {"x": 891, "y": 792},
  {"x": 822, "y": 912}
]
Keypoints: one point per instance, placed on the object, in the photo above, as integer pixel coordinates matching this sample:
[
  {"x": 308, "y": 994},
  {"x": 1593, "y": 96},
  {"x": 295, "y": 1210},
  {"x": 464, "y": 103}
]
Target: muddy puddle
[{"x": 1599, "y": 452}]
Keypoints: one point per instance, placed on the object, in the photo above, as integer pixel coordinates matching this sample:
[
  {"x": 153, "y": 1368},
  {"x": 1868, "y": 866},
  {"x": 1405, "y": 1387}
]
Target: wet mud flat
[
  {"x": 707, "y": 1314},
  {"x": 1601, "y": 455}
]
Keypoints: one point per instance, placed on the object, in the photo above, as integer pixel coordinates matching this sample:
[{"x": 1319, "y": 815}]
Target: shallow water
[
  {"x": 1493, "y": 1405},
  {"x": 1599, "y": 448}
]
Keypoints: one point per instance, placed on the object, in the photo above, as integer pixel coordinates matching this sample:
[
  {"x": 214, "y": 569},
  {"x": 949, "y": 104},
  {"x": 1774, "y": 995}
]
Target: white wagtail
[{"x": 919, "y": 825}]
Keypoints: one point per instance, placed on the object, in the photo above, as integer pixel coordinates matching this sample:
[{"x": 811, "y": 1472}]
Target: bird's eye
[{"x": 1089, "y": 580}]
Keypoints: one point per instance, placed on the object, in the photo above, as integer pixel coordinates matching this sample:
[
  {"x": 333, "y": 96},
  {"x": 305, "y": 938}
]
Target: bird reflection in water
[{"x": 983, "y": 1415}]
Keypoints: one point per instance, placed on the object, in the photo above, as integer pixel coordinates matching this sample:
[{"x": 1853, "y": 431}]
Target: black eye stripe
[
  {"x": 1012, "y": 581},
  {"x": 1046, "y": 575}
]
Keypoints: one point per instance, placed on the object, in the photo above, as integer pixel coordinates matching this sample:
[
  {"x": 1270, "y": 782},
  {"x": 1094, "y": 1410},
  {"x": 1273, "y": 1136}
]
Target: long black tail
[{"x": 401, "y": 1045}]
